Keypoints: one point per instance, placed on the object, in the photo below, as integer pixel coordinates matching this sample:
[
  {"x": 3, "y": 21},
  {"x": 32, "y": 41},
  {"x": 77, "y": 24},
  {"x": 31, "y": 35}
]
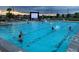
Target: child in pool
[
  {"x": 70, "y": 28},
  {"x": 20, "y": 37},
  {"x": 52, "y": 28}
]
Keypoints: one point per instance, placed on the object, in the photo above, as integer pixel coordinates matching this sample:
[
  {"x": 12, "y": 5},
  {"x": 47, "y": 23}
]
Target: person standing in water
[
  {"x": 20, "y": 37},
  {"x": 52, "y": 28},
  {"x": 70, "y": 28}
]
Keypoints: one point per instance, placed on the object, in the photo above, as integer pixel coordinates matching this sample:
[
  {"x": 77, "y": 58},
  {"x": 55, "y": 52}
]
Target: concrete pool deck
[
  {"x": 13, "y": 22},
  {"x": 8, "y": 47},
  {"x": 74, "y": 45}
]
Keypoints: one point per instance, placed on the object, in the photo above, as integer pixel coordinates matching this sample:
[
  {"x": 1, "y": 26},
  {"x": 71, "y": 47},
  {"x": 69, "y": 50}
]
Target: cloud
[
  {"x": 3, "y": 7},
  {"x": 44, "y": 9}
]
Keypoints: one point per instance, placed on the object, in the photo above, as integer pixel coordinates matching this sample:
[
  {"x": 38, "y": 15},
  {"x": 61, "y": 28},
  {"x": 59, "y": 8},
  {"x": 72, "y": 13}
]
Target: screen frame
[{"x": 33, "y": 18}]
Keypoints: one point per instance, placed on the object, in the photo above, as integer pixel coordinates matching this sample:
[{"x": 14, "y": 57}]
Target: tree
[
  {"x": 68, "y": 15},
  {"x": 77, "y": 15},
  {"x": 63, "y": 15},
  {"x": 57, "y": 15},
  {"x": 9, "y": 14},
  {"x": 9, "y": 9}
]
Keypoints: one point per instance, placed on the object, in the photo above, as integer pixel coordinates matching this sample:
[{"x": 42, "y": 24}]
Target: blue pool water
[{"x": 39, "y": 37}]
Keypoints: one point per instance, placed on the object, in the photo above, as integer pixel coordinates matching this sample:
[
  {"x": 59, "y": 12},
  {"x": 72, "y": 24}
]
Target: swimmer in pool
[
  {"x": 20, "y": 37},
  {"x": 70, "y": 28},
  {"x": 52, "y": 28}
]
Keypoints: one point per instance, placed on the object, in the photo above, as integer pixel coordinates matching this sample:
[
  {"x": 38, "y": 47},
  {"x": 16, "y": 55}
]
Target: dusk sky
[{"x": 44, "y": 9}]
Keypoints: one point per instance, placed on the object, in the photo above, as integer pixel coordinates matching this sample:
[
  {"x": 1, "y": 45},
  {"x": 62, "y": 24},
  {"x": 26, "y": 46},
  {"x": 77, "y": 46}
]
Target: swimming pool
[{"x": 39, "y": 37}]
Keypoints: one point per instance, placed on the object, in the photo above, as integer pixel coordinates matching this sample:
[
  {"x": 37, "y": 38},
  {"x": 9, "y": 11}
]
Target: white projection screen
[{"x": 34, "y": 15}]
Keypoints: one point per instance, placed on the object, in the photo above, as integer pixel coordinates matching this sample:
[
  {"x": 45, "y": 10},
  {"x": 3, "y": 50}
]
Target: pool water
[{"x": 39, "y": 36}]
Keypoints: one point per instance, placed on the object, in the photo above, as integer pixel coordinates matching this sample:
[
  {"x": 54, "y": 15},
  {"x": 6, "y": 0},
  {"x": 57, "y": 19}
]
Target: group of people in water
[{"x": 20, "y": 36}]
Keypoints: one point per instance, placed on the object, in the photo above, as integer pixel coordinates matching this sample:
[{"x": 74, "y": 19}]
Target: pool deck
[
  {"x": 6, "y": 46},
  {"x": 74, "y": 45},
  {"x": 8, "y": 23}
]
